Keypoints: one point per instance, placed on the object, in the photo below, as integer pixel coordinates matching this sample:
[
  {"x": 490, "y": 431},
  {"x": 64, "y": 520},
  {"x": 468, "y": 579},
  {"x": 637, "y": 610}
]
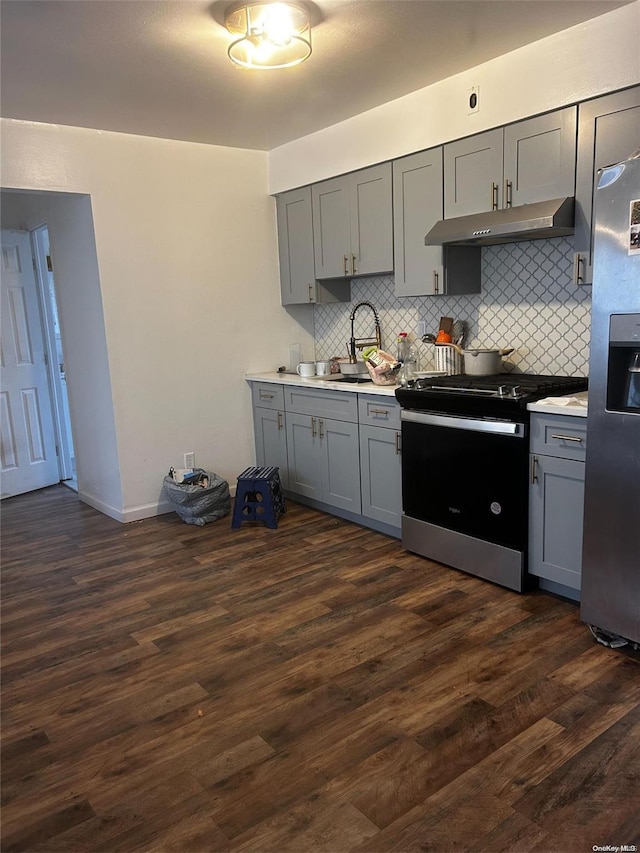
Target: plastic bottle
[{"x": 404, "y": 345}]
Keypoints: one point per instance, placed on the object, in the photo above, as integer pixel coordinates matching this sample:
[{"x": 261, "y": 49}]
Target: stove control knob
[
  {"x": 515, "y": 391},
  {"x": 502, "y": 391}
]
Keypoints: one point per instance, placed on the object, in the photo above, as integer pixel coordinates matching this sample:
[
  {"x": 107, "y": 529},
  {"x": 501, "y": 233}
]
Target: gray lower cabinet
[
  {"x": 271, "y": 441},
  {"x": 380, "y": 459},
  {"x": 298, "y": 283},
  {"x": 524, "y": 162},
  {"x": 608, "y": 132},
  {"x": 322, "y": 446},
  {"x": 338, "y": 449},
  {"x": 556, "y": 505},
  {"x": 269, "y": 426},
  {"x": 353, "y": 224}
]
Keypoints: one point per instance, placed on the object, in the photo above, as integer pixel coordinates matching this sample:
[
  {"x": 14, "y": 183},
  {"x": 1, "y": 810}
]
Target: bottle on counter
[{"x": 408, "y": 357}]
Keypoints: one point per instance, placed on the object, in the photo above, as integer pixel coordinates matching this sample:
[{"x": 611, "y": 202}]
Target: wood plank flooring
[{"x": 311, "y": 688}]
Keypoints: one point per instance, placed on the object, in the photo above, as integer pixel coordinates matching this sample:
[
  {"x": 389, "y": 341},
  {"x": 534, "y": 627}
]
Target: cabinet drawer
[
  {"x": 267, "y": 395},
  {"x": 379, "y": 411},
  {"x": 559, "y": 435},
  {"x": 339, "y": 405}
]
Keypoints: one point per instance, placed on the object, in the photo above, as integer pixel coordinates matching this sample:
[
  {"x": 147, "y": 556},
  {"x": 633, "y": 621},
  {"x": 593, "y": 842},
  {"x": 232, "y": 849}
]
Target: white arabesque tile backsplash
[{"x": 528, "y": 301}]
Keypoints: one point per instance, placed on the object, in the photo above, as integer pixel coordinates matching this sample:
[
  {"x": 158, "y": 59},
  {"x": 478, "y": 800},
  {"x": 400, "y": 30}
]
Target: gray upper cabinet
[
  {"x": 472, "y": 171},
  {"x": 353, "y": 224},
  {"x": 529, "y": 161},
  {"x": 295, "y": 250},
  {"x": 295, "y": 246},
  {"x": 608, "y": 132},
  {"x": 417, "y": 206}
]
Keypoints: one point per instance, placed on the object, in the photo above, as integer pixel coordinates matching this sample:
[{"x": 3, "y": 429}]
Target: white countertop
[
  {"x": 575, "y": 404},
  {"x": 316, "y": 382}
]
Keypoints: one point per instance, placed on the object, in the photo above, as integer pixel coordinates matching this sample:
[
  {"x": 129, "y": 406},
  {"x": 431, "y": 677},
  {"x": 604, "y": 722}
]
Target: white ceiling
[{"x": 160, "y": 67}]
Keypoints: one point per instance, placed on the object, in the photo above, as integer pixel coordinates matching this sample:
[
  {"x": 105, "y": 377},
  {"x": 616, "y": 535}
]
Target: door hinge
[
  {"x": 57, "y": 450},
  {"x": 49, "y": 264},
  {"x": 46, "y": 360}
]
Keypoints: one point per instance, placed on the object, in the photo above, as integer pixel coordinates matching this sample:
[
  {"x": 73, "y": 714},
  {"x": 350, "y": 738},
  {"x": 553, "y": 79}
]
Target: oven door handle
[{"x": 514, "y": 430}]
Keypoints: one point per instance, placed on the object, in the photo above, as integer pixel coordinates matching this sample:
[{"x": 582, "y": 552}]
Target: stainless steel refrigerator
[{"x": 610, "y": 598}]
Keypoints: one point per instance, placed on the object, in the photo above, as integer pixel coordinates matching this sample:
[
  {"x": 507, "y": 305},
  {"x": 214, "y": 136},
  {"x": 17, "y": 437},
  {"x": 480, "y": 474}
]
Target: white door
[{"x": 27, "y": 441}]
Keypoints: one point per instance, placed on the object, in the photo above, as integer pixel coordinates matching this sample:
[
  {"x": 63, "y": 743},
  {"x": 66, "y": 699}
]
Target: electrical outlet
[
  {"x": 422, "y": 328},
  {"x": 473, "y": 100},
  {"x": 190, "y": 459}
]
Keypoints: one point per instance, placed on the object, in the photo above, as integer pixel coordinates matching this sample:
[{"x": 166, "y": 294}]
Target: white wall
[
  {"x": 599, "y": 56},
  {"x": 187, "y": 256}
]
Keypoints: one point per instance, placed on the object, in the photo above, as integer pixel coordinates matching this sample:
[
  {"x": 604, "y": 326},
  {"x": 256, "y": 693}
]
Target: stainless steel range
[{"x": 465, "y": 470}]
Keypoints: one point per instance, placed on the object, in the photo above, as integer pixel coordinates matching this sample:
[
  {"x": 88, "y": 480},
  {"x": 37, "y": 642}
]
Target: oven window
[{"x": 471, "y": 482}]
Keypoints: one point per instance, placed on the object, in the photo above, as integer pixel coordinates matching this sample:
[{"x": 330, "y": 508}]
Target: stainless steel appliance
[
  {"x": 465, "y": 470},
  {"x": 610, "y": 597}
]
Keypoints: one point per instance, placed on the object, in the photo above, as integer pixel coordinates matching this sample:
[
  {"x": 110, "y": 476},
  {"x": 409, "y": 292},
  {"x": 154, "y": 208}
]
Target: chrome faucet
[{"x": 361, "y": 343}]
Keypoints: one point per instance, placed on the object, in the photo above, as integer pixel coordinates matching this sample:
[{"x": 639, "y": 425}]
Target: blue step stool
[{"x": 259, "y": 497}]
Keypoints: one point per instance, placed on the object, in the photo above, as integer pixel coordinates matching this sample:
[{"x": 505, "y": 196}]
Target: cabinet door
[
  {"x": 304, "y": 455},
  {"x": 555, "y": 515},
  {"x": 381, "y": 471},
  {"x": 540, "y": 158},
  {"x": 473, "y": 174},
  {"x": 608, "y": 132},
  {"x": 295, "y": 246},
  {"x": 331, "y": 228},
  {"x": 371, "y": 221},
  {"x": 417, "y": 206},
  {"x": 271, "y": 441},
  {"x": 341, "y": 464}
]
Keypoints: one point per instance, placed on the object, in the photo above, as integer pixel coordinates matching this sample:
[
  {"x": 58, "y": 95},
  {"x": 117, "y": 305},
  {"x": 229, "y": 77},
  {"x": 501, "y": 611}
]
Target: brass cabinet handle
[
  {"x": 321, "y": 428},
  {"x": 345, "y": 261},
  {"x": 353, "y": 264},
  {"x": 313, "y": 427},
  {"x": 436, "y": 278},
  {"x": 578, "y": 269},
  {"x": 310, "y": 292},
  {"x": 494, "y": 195},
  {"x": 398, "y": 444},
  {"x": 265, "y": 396},
  {"x": 379, "y": 411},
  {"x": 280, "y": 424},
  {"x": 567, "y": 438},
  {"x": 534, "y": 469},
  {"x": 508, "y": 193}
]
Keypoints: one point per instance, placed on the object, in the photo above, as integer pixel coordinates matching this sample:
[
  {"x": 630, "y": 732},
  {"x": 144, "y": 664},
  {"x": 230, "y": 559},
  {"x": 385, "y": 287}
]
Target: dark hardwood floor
[{"x": 310, "y": 688}]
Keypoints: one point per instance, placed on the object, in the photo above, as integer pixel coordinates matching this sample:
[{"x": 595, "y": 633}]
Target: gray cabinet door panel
[
  {"x": 540, "y": 157},
  {"x": 371, "y": 221},
  {"x": 556, "y": 510},
  {"x": 295, "y": 246},
  {"x": 608, "y": 132},
  {"x": 304, "y": 455},
  {"x": 471, "y": 166},
  {"x": 417, "y": 206},
  {"x": 331, "y": 228},
  {"x": 341, "y": 464},
  {"x": 380, "y": 470},
  {"x": 271, "y": 441}
]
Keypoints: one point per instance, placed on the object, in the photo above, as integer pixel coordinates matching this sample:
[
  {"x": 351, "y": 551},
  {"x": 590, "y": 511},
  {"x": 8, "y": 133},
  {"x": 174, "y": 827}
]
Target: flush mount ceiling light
[{"x": 272, "y": 35}]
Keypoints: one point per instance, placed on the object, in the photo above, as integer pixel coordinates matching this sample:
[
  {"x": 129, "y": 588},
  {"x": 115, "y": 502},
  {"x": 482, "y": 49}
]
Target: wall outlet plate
[
  {"x": 190, "y": 459},
  {"x": 422, "y": 328},
  {"x": 473, "y": 100}
]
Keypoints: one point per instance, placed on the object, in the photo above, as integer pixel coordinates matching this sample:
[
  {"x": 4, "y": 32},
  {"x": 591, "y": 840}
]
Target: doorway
[{"x": 55, "y": 351}]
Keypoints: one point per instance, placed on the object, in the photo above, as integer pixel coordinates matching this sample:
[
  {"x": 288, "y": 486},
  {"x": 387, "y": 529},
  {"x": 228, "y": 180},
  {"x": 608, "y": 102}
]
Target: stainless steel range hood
[{"x": 536, "y": 221}]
